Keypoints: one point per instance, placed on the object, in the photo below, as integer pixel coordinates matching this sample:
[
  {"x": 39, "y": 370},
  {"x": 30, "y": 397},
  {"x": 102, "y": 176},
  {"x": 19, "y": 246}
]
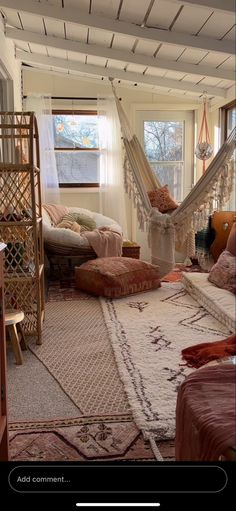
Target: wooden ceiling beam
[
  {"x": 119, "y": 55},
  {"x": 226, "y": 6},
  {"x": 76, "y": 15},
  {"x": 90, "y": 69}
]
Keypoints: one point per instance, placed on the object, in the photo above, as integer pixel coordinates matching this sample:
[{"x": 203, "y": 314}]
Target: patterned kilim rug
[
  {"x": 148, "y": 332},
  {"x": 80, "y": 439}
]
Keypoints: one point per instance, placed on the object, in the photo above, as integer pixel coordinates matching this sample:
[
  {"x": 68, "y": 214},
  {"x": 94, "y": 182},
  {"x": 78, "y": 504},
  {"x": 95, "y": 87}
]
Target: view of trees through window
[
  {"x": 231, "y": 120},
  {"x": 76, "y": 148},
  {"x": 164, "y": 147}
]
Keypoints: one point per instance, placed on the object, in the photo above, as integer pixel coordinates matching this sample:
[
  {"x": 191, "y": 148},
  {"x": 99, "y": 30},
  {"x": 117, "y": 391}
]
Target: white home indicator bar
[{"x": 118, "y": 504}]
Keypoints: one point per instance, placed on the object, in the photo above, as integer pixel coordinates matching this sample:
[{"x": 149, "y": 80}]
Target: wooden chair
[{"x": 13, "y": 320}]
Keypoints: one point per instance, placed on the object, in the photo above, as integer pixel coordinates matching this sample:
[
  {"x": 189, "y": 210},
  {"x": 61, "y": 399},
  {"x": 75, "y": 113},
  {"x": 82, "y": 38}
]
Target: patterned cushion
[
  {"x": 162, "y": 200},
  {"x": 116, "y": 276},
  {"x": 231, "y": 242},
  {"x": 223, "y": 273},
  {"x": 87, "y": 223}
]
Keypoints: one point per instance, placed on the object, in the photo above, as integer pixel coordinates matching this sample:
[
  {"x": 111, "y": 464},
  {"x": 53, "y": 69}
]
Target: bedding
[{"x": 220, "y": 303}]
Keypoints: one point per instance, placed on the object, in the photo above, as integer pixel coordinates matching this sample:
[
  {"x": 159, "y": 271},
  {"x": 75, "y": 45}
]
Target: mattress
[{"x": 218, "y": 302}]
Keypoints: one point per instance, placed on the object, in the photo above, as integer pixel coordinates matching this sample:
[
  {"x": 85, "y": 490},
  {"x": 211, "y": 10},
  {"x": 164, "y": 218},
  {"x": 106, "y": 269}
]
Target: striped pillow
[{"x": 86, "y": 222}]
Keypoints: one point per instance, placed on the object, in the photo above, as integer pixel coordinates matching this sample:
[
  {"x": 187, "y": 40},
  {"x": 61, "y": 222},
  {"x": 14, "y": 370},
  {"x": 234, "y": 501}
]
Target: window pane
[
  {"x": 163, "y": 140},
  {"x": 77, "y": 167},
  {"x": 72, "y": 131},
  {"x": 231, "y": 120},
  {"x": 171, "y": 174}
]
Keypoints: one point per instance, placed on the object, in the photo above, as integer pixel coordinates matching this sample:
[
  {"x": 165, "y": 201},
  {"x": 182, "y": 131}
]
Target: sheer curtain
[
  {"x": 112, "y": 193},
  {"x": 41, "y": 105}
]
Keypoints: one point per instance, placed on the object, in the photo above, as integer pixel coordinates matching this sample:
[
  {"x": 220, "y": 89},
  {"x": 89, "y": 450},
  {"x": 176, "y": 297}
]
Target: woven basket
[{"x": 131, "y": 251}]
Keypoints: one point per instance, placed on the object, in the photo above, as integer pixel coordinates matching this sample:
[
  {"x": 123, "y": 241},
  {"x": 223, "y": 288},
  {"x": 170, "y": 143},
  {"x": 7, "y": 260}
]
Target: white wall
[
  {"x": 10, "y": 66},
  {"x": 80, "y": 198}
]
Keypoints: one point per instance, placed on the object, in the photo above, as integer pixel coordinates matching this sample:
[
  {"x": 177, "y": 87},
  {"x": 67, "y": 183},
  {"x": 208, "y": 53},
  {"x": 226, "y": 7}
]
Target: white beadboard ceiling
[{"x": 182, "y": 47}]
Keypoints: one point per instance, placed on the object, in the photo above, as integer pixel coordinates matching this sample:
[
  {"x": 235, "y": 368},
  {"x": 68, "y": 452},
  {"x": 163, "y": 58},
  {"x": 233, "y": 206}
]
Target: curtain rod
[
  {"x": 73, "y": 99},
  {"x": 69, "y": 98}
]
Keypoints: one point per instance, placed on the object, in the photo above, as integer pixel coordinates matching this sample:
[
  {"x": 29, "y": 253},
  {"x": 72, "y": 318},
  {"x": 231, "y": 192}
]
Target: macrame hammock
[{"x": 168, "y": 232}]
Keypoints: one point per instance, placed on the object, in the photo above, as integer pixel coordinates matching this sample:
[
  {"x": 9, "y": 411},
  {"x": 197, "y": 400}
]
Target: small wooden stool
[{"x": 13, "y": 318}]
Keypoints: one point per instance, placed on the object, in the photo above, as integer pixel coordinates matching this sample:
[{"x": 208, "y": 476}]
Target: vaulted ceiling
[{"x": 172, "y": 46}]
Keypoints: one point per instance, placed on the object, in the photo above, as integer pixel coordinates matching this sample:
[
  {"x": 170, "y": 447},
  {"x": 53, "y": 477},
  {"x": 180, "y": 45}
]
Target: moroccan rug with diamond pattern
[
  {"x": 148, "y": 332},
  {"x": 77, "y": 351}
]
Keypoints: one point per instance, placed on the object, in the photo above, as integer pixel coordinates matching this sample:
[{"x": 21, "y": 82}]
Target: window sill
[{"x": 79, "y": 190}]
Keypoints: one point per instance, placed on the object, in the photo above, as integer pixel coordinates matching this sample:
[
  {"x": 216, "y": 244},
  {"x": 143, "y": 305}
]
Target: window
[
  {"x": 167, "y": 138},
  {"x": 76, "y": 148},
  {"x": 163, "y": 145},
  {"x": 228, "y": 118}
]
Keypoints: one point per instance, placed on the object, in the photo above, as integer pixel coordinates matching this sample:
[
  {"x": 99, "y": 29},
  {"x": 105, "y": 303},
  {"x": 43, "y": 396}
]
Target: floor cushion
[{"x": 116, "y": 276}]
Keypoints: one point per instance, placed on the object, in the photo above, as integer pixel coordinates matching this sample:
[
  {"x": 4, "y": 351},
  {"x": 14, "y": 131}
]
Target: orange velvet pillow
[
  {"x": 162, "y": 200},
  {"x": 116, "y": 276}
]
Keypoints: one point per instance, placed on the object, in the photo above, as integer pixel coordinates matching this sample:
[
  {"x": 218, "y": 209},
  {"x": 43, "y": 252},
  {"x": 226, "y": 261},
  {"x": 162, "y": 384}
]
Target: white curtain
[
  {"x": 41, "y": 105},
  {"x": 112, "y": 192}
]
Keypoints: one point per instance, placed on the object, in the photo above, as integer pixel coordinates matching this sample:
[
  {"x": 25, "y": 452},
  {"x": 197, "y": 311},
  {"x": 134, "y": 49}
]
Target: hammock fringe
[{"x": 211, "y": 193}]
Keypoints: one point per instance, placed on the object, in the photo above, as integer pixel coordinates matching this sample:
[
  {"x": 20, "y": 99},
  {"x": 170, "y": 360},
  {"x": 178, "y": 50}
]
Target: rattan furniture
[
  {"x": 3, "y": 367},
  {"x": 13, "y": 320},
  {"x": 131, "y": 249},
  {"x": 21, "y": 219},
  {"x": 66, "y": 249}
]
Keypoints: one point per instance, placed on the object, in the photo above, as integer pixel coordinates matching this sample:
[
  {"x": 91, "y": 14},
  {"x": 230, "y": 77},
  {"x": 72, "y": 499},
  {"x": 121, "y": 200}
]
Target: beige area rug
[
  {"x": 148, "y": 332},
  {"x": 77, "y": 351}
]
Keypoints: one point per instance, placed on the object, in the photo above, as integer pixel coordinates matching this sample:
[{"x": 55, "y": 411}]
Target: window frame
[
  {"x": 76, "y": 149},
  {"x": 166, "y": 114},
  {"x": 224, "y": 118}
]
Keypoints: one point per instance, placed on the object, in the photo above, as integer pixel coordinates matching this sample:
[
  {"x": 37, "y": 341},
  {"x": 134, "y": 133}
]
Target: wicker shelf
[{"x": 21, "y": 218}]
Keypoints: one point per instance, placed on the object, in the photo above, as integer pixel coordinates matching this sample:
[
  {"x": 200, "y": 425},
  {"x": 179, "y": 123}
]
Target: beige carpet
[
  {"x": 33, "y": 393},
  {"x": 76, "y": 350}
]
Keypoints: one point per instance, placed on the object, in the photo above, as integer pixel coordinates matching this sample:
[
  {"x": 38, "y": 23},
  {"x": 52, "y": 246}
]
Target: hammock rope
[
  {"x": 211, "y": 192},
  {"x": 204, "y": 149}
]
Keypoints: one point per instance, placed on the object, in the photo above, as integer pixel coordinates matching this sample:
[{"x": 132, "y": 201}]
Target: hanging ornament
[
  {"x": 204, "y": 149},
  {"x": 60, "y": 127}
]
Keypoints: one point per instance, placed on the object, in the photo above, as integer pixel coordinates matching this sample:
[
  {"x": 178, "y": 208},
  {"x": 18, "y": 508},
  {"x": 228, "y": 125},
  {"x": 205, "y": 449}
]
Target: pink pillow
[
  {"x": 231, "y": 243},
  {"x": 116, "y": 276},
  {"x": 223, "y": 273},
  {"x": 162, "y": 200}
]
